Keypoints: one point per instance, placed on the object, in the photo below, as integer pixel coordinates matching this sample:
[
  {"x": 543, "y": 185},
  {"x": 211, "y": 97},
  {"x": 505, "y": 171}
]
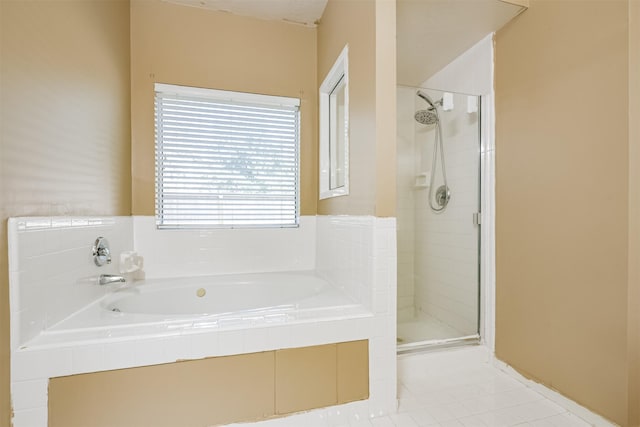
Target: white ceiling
[{"x": 305, "y": 12}]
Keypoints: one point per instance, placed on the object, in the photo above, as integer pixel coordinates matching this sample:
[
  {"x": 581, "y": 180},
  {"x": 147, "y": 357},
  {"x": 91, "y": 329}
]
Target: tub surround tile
[
  {"x": 53, "y": 273},
  {"x": 356, "y": 253},
  {"x": 30, "y": 417},
  {"x": 231, "y": 342},
  {"x": 88, "y": 358},
  {"x": 35, "y": 365},
  {"x": 204, "y": 345},
  {"x": 118, "y": 355},
  {"x": 255, "y": 339},
  {"x": 29, "y": 394},
  {"x": 181, "y": 253}
]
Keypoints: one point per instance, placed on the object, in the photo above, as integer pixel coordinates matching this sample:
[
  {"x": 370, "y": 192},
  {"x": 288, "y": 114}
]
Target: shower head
[
  {"x": 426, "y": 117},
  {"x": 429, "y": 100}
]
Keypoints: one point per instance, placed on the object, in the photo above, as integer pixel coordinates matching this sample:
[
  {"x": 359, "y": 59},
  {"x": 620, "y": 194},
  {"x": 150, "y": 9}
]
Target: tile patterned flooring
[
  {"x": 450, "y": 388},
  {"x": 460, "y": 388}
]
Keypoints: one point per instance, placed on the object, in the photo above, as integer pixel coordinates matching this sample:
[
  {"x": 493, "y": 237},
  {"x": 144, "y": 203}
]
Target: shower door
[{"x": 438, "y": 246}]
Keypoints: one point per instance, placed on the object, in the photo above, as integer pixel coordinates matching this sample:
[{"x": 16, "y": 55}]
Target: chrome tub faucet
[{"x": 106, "y": 279}]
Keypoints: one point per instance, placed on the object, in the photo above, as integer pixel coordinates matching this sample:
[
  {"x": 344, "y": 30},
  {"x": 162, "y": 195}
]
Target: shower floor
[{"x": 424, "y": 327}]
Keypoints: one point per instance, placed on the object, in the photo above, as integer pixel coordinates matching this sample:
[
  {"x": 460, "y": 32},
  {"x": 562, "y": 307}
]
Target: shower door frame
[{"x": 486, "y": 241}]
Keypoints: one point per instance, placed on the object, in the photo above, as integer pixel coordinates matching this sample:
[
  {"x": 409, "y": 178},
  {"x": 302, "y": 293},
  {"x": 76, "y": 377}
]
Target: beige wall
[
  {"x": 214, "y": 391},
  {"x": 369, "y": 29},
  {"x": 562, "y": 201},
  {"x": 64, "y": 106},
  {"x": 195, "y": 47},
  {"x": 185, "y": 394},
  {"x": 633, "y": 302},
  {"x": 385, "y": 109}
]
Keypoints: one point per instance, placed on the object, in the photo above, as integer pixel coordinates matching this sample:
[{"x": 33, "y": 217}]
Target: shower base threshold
[{"x": 438, "y": 344}]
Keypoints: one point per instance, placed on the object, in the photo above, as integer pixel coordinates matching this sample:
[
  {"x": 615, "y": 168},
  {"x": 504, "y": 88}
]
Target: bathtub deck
[{"x": 93, "y": 324}]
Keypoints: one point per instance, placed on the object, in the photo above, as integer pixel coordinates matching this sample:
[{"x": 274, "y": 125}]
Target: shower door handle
[{"x": 477, "y": 218}]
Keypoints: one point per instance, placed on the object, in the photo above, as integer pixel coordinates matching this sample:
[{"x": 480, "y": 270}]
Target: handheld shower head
[
  {"x": 430, "y": 115},
  {"x": 426, "y": 98}
]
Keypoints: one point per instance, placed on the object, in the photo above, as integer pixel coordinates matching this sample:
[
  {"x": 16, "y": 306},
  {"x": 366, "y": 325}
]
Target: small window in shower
[{"x": 225, "y": 159}]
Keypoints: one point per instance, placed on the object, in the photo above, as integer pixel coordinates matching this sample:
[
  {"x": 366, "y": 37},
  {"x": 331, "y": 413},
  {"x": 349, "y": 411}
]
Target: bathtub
[
  {"x": 236, "y": 295},
  {"x": 161, "y": 307}
]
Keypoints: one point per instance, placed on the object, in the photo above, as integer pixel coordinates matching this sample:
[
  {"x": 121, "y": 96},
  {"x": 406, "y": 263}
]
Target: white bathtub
[
  {"x": 225, "y": 295},
  {"x": 183, "y": 305}
]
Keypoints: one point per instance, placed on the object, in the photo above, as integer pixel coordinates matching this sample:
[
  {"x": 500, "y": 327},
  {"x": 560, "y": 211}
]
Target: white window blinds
[{"x": 225, "y": 159}]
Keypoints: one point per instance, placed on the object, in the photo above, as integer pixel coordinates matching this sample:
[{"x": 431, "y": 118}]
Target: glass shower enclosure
[{"x": 438, "y": 188}]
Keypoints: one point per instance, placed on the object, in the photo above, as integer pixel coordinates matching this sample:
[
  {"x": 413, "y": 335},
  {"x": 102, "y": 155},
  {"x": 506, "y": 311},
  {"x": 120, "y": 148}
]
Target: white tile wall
[
  {"x": 52, "y": 273},
  {"x": 345, "y": 251},
  {"x": 359, "y": 253},
  {"x": 175, "y": 253}
]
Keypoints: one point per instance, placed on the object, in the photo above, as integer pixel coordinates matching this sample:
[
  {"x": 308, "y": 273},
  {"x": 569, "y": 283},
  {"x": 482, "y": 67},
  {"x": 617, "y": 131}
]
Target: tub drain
[
  {"x": 201, "y": 292},
  {"x": 117, "y": 310}
]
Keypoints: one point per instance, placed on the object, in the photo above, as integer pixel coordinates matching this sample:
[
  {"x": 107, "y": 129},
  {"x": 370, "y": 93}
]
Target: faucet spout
[{"x": 105, "y": 279}]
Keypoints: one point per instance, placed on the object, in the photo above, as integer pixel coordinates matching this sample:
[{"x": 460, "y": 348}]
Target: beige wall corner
[
  {"x": 633, "y": 332},
  {"x": 523, "y": 3},
  {"x": 196, "y": 47},
  {"x": 562, "y": 200},
  {"x": 385, "y": 108},
  {"x": 65, "y": 132}
]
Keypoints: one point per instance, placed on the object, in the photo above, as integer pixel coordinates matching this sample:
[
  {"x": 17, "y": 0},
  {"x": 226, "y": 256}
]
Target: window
[
  {"x": 225, "y": 159},
  {"x": 334, "y": 129}
]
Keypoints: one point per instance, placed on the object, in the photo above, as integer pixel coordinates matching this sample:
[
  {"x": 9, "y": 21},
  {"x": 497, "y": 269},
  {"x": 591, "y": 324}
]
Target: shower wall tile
[
  {"x": 446, "y": 277},
  {"x": 176, "y": 253},
  {"x": 52, "y": 273}
]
